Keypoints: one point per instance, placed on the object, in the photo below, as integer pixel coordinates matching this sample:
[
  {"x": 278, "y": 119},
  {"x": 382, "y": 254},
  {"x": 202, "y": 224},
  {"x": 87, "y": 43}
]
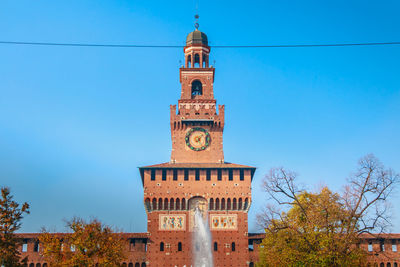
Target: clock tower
[
  {"x": 197, "y": 125},
  {"x": 197, "y": 179}
]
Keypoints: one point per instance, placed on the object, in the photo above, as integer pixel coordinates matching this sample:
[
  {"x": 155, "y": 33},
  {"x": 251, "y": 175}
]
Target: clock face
[{"x": 197, "y": 139}]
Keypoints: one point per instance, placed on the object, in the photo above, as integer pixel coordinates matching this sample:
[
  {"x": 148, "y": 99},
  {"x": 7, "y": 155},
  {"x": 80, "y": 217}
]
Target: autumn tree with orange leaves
[
  {"x": 11, "y": 214},
  {"x": 323, "y": 228},
  {"x": 89, "y": 243}
]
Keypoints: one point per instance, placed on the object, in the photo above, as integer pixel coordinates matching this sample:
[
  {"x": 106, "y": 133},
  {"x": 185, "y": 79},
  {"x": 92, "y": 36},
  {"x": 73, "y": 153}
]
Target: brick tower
[{"x": 197, "y": 175}]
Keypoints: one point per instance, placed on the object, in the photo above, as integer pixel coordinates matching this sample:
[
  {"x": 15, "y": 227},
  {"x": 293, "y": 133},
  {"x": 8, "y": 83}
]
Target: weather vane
[{"x": 196, "y": 24}]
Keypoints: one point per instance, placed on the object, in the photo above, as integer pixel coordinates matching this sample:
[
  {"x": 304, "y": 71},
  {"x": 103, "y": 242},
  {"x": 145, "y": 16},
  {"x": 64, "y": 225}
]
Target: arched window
[
  {"x": 395, "y": 264},
  {"x": 124, "y": 264},
  {"x": 160, "y": 204},
  {"x": 217, "y": 204},
  {"x": 240, "y": 204},
  {"x": 382, "y": 264},
  {"x": 228, "y": 204},
  {"x": 180, "y": 246},
  {"x": 154, "y": 203},
  {"x": 171, "y": 204},
  {"x": 162, "y": 246},
  {"x": 143, "y": 264},
  {"x": 137, "y": 264},
  {"x": 183, "y": 204},
  {"x": 44, "y": 265},
  {"x": 388, "y": 264},
  {"x": 251, "y": 264},
  {"x": 32, "y": 265},
  {"x": 196, "y": 62},
  {"x": 166, "y": 203},
  {"x": 211, "y": 204},
  {"x": 234, "y": 204},
  {"x": 197, "y": 88},
  {"x": 189, "y": 61},
  {"x": 147, "y": 204},
  {"x": 215, "y": 246},
  {"x": 130, "y": 264},
  {"x": 38, "y": 265},
  {"x": 246, "y": 203},
  {"x": 233, "y": 246},
  {"x": 222, "y": 203},
  {"x": 177, "y": 204}
]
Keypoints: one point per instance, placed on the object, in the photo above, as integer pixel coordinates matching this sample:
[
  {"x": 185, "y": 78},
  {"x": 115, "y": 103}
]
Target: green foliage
[
  {"x": 11, "y": 215},
  {"x": 88, "y": 244}
]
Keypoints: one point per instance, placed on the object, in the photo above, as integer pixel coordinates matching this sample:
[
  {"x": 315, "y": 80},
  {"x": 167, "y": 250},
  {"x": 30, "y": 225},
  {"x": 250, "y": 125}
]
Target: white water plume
[{"x": 201, "y": 241}]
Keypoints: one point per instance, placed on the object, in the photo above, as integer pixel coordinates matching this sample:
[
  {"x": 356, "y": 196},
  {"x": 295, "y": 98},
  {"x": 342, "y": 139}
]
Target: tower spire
[{"x": 196, "y": 23}]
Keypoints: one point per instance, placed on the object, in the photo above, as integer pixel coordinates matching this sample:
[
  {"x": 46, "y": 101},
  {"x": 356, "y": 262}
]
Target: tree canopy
[
  {"x": 11, "y": 214},
  {"x": 89, "y": 243},
  {"x": 323, "y": 228}
]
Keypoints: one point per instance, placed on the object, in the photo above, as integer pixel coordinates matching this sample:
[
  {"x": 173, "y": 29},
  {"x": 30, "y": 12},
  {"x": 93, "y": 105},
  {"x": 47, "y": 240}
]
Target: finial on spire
[{"x": 196, "y": 24}]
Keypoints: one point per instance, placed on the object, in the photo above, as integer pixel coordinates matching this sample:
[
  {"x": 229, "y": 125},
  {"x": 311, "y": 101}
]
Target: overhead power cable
[{"x": 181, "y": 46}]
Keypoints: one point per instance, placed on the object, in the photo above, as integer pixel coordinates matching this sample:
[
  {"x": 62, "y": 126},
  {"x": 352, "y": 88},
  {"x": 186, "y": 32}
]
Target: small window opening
[
  {"x": 36, "y": 247},
  {"x": 164, "y": 175},
  {"x": 175, "y": 174},
  {"x": 370, "y": 246},
  {"x": 215, "y": 246},
  {"x": 219, "y": 175},
  {"x": 230, "y": 175},
  {"x": 162, "y": 246},
  {"x": 394, "y": 245},
  {"x": 153, "y": 175},
  {"x": 197, "y": 88},
  {"x": 25, "y": 246},
  {"x": 208, "y": 175},
  {"x": 233, "y": 246},
  {"x": 186, "y": 175},
  {"x": 189, "y": 61},
  {"x": 180, "y": 246},
  {"x": 197, "y": 175},
  {"x": 241, "y": 175},
  {"x": 382, "y": 245}
]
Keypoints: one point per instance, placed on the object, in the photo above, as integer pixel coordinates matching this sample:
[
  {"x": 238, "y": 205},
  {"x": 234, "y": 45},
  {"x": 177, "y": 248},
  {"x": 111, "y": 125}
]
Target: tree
[
  {"x": 324, "y": 228},
  {"x": 11, "y": 215},
  {"x": 88, "y": 244}
]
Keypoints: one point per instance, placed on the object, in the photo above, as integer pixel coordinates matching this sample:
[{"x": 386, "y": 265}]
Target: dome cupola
[{"x": 196, "y": 37}]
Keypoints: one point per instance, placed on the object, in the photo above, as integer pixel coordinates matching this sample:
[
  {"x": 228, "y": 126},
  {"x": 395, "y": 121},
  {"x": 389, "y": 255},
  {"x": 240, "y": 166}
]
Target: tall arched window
[
  {"x": 171, "y": 204},
  {"x": 147, "y": 203},
  {"x": 189, "y": 61},
  {"x": 217, "y": 204},
  {"x": 234, "y": 204},
  {"x": 177, "y": 204},
  {"x": 228, "y": 204},
  {"x": 240, "y": 204},
  {"x": 197, "y": 88},
  {"x": 130, "y": 264},
  {"x": 211, "y": 204},
  {"x": 180, "y": 246},
  {"x": 222, "y": 203},
  {"x": 137, "y": 264},
  {"x": 196, "y": 62},
  {"x": 143, "y": 264},
  {"x": 246, "y": 203},
  {"x": 162, "y": 246},
  {"x": 166, "y": 203},
  {"x": 160, "y": 207},
  {"x": 183, "y": 203}
]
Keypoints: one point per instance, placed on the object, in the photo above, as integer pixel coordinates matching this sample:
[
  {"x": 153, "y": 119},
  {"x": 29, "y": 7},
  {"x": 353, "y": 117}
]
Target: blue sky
[{"x": 75, "y": 123}]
